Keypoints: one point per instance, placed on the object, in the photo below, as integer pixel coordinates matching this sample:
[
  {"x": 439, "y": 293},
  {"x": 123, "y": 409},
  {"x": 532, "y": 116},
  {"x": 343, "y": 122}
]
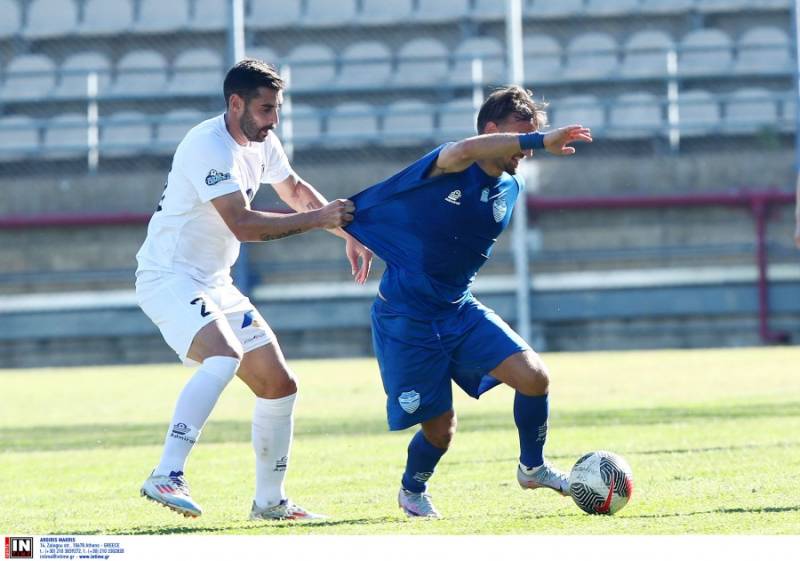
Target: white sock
[
  {"x": 195, "y": 403},
  {"x": 273, "y": 421}
]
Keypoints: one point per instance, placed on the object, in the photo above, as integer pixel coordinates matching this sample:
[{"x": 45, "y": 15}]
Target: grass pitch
[{"x": 713, "y": 437}]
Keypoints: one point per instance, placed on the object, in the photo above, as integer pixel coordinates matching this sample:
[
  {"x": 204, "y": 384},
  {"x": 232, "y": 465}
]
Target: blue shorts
[{"x": 418, "y": 359}]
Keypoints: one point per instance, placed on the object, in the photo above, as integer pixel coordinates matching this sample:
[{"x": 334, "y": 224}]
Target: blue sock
[
  {"x": 422, "y": 459},
  {"x": 530, "y": 415}
]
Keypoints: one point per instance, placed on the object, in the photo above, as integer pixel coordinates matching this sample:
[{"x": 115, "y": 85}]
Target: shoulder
[{"x": 205, "y": 142}]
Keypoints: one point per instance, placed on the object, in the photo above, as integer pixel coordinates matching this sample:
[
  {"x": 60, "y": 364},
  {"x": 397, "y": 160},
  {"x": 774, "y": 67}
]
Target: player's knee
[
  {"x": 536, "y": 380},
  {"x": 440, "y": 433},
  {"x": 271, "y": 385}
]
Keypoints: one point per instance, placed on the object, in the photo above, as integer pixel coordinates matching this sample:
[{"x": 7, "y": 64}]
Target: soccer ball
[{"x": 601, "y": 482}]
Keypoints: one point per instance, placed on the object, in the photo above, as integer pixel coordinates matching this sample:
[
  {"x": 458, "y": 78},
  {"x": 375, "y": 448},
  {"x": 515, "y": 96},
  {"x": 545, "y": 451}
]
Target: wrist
[{"x": 531, "y": 141}]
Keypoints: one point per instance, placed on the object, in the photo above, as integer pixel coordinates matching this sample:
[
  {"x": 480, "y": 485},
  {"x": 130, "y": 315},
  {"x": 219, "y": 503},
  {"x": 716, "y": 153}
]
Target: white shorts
[{"x": 180, "y": 306}]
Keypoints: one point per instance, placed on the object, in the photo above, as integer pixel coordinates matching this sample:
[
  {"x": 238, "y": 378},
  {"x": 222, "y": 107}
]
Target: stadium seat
[
  {"x": 422, "y": 61},
  {"x": 666, "y": 6},
  {"x": 789, "y": 111},
  {"x": 19, "y": 138},
  {"x": 721, "y": 5},
  {"x": 306, "y": 124},
  {"x": 28, "y": 77},
  {"x": 645, "y": 54},
  {"x": 12, "y": 17},
  {"x": 635, "y": 115},
  {"x": 313, "y": 66},
  {"x": 489, "y": 50},
  {"x": 140, "y": 73},
  {"x": 66, "y": 136},
  {"x": 352, "y": 123},
  {"x": 158, "y": 16},
  {"x": 329, "y": 13},
  {"x": 211, "y": 15},
  {"x": 173, "y": 126},
  {"x": 407, "y": 122},
  {"x": 74, "y": 72},
  {"x": 705, "y": 52},
  {"x": 489, "y": 10},
  {"x": 269, "y": 15},
  {"x": 764, "y": 49},
  {"x": 592, "y": 55},
  {"x": 542, "y": 58},
  {"x": 51, "y": 18},
  {"x": 457, "y": 119},
  {"x": 698, "y": 113},
  {"x": 367, "y": 63},
  {"x": 548, "y": 8},
  {"x": 125, "y": 134},
  {"x": 380, "y": 12},
  {"x": 106, "y": 16},
  {"x": 265, "y": 54},
  {"x": 750, "y": 109},
  {"x": 198, "y": 72},
  {"x": 441, "y": 10},
  {"x": 611, "y": 7},
  {"x": 585, "y": 110}
]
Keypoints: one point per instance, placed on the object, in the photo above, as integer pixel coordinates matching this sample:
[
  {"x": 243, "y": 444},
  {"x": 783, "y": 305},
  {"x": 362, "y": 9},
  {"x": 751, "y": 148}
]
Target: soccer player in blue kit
[{"x": 434, "y": 224}]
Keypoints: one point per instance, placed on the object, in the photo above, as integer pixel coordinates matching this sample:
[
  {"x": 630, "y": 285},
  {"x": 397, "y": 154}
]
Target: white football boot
[
  {"x": 284, "y": 510},
  {"x": 172, "y": 491},
  {"x": 417, "y": 505},
  {"x": 544, "y": 477}
]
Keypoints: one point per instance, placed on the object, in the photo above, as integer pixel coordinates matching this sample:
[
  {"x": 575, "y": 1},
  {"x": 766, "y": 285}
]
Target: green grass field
[{"x": 713, "y": 437}]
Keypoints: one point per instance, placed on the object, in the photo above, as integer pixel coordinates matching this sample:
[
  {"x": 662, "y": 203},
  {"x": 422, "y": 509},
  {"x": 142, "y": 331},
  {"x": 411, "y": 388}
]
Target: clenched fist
[{"x": 335, "y": 214}]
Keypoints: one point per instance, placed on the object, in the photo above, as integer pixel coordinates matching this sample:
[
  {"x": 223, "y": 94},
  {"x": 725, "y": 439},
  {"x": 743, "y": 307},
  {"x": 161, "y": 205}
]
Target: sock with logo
[
  {"x": 273, "y": 421},
  {"x": 530, "y": 416},
  {"x": 194, "y": 405},
  {"x": 422, "y": 459}
]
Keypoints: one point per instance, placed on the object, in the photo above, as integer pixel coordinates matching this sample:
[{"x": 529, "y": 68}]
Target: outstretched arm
[{"x": 460, "y": 155}]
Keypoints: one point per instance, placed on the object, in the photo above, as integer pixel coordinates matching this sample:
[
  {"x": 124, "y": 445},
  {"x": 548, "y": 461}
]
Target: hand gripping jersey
[
  {"x": 186, "y": 233},
  {"x": 434, "y": 233}
]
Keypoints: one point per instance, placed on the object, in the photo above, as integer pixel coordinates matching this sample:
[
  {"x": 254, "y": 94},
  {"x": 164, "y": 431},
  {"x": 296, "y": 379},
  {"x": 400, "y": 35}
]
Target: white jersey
[{"x": 186, "y": 233}]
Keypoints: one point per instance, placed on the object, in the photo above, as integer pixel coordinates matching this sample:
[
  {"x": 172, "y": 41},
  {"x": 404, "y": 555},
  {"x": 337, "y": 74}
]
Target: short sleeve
[
  {"x": 209, "y": 167},
  {"x": 277, "y": 167}
]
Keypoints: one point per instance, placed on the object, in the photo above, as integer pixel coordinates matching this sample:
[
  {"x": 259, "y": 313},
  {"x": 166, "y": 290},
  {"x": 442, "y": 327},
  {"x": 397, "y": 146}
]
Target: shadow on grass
[
  {"x": 244, "y": 526},
  {"x": 51, "y": 437},
  {"x": 761, "y": 510}
]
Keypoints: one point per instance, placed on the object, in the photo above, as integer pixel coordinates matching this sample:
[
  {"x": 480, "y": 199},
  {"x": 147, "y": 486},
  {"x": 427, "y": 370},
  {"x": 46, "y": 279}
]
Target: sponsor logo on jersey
[
  {"x": 499, "y": 208},
  {"x": 485, "y": 195},
  {"x": 409, "y": 401},
  {"x": 215, "y": 177},
  {"x": 453, "y": 197}
]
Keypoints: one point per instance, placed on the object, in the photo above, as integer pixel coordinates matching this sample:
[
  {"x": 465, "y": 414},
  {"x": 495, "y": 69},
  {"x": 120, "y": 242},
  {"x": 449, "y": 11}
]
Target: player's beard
[
  {"x": 251, "y": 130},
  {"x": 510, "y": 167}
]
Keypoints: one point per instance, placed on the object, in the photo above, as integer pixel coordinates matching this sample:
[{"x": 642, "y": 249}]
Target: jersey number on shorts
[{"x": 202, "y": 303}]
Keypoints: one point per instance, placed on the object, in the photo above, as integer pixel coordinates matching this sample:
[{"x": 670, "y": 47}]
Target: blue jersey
[{"x": 433, "y": 233}]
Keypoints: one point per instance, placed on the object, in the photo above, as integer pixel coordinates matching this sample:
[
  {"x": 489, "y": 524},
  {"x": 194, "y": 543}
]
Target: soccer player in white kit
[{"x": 183, "y": 282}]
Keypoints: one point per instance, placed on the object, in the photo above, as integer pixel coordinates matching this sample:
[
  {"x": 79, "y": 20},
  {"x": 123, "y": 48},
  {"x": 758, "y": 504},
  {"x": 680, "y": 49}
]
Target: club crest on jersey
[
  {"x": 453, "y": 197},
  {"x": 499, "y": 208},
  {"x": 215, "y": 177},
  {"x": 409, "y": 401}
]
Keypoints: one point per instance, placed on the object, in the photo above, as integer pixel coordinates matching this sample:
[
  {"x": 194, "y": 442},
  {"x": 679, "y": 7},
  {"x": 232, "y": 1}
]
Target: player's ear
[{"x": 490, "y": 128}]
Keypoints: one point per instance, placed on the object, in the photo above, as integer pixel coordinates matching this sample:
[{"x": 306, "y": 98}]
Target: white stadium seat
[
  {"x": 306, "y": 123},
  {"x": 542, "y": 58},
  {"x": 28, "y": 77},
  {"x": 407, "y": 122},
  {"x": 590, "y": 56},
  {"x": 211, "y": 15},
  {"x": 705, "y": 52},
  {"x": 422, "y": 61},
  {"x": 585, "y": 110},
  {"x": 549, "y": 8},
  {"x": 158, "y": 16},
  {"x": 196, "y": 71},
  {"x": 66, "y": 136},
  {"x": 140, "y": 73},
  {"x": 381, "y": 12},
  {"x": 74, "y": 73},
  {"x": 174, "y": 125},
  {"x": 51, "y": 18},
  {"x": 698, "y": 113},
  {"x": 611, "y": 7},
  {"x": 489, "y": 10},
  {"x": 636, "y": 115},
  {"x": 106, "y": 16},
  {"x": 125, "y": 133},
  {"x": 269, "y": 15},
  {"x": 764, "y": 49},
  {"x": 750, "y": 109},
  {"x": 12, "y": 17},
  {"x": 19, "y": 138},
  {"x": 441, "y": 10},
  {"x": 352, "y": 123},
  {"x": 264, "y": 54},
  {"x": 313, "y": 66},
  {"x": 666, "y": 6},
  {"x": 457, "y": 119},
  {"x": 487, "y": 49},
  {"x": 646, "y": 54},
  {"x": 367, "y": 63},
  {"x": 721, "y": 5},
  {"x": 329, "y": 13}
]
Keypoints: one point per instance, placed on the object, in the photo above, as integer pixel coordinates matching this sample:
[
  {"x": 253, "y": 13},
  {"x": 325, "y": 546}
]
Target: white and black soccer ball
[{"x": 601, "y": 482}]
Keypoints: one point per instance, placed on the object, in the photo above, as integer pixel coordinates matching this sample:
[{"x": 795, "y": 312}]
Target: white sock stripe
[
  {"x": 222, "y": 367},
  {"x": 279, "y": 407}
]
